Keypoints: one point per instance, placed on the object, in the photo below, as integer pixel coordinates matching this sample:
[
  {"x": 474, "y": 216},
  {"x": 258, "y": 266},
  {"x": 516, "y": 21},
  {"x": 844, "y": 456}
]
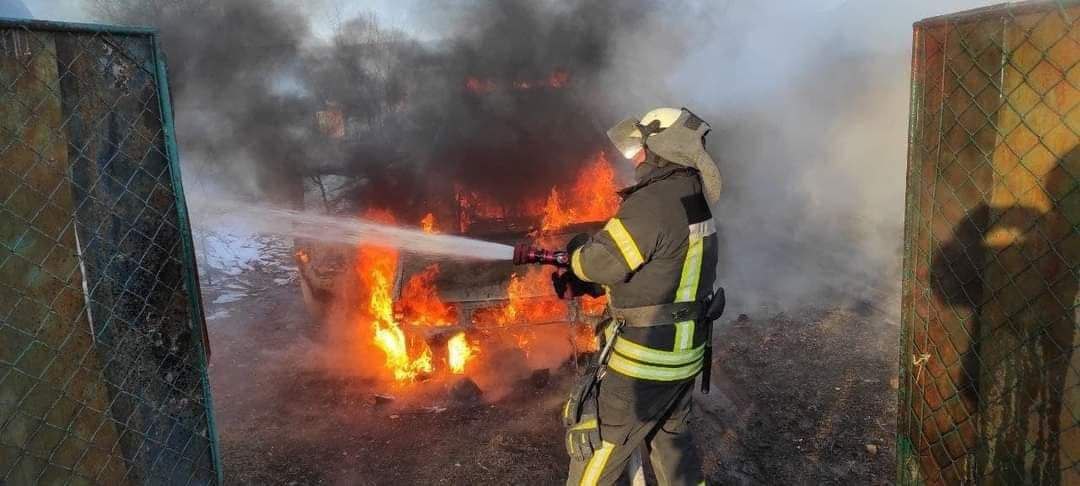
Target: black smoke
[{"x": 250, "y": 76}]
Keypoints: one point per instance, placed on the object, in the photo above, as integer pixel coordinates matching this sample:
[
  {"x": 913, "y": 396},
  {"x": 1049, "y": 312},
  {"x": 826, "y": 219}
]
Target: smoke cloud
[
  {"x": 497, "y": 103},
  {"x": 808, "y": 104}
]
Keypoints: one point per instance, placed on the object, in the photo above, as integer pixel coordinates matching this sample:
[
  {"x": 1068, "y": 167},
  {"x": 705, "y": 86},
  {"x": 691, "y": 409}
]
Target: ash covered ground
[{"x": 804, "y": 397}]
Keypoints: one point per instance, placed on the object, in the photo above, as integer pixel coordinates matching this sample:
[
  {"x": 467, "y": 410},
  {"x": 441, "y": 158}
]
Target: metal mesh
[
  {"x": 990, "y": 380},
  {"x": 102, "y": 340}
]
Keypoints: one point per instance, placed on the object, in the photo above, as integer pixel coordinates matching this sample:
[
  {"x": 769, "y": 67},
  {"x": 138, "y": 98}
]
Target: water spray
[{"x": 288, "y": 222}]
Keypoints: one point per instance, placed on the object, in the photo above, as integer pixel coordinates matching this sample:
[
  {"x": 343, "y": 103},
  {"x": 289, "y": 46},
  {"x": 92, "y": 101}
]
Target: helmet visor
[{"x": 626, "y": 137}]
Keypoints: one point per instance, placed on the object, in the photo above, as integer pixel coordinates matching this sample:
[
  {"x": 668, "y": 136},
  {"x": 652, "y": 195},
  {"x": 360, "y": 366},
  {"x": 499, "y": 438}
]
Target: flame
[
  {"x": 585, "y": 339},
  {"x": 477, "y": 85},
  {"x": 420, "y": 303},
  {"x": 594, "y": 197},
  {"x": 408, "y": 356},
  {"x": 383, "y": 216},
  {"x": 523, "y": 305},
  {"x": 376, "y": 267},
  {"x": 391, "y": 340},
  {"x": 557, "y": 80},
  {"x": 428, "y": 223},
  {"x": 405, "y": 358},
  {"x": 529, "y": 301},
  {"x": 593, "y": 306},
  {"x": 555, "y": 216},
  {"x": 472, "y": 204},
  {"x": 458, "y": 353}
]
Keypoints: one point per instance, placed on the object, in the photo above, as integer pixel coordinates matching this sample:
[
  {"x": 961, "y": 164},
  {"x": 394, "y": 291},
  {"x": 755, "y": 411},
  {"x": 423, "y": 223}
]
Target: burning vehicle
[{"x": 429, "y": 316}]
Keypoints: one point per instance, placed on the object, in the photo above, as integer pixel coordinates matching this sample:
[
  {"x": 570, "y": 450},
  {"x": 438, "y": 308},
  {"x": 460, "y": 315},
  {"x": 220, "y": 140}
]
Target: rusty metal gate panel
[
  {"x": 103, "y": 352},
  {"x": 989, "y": 373}
]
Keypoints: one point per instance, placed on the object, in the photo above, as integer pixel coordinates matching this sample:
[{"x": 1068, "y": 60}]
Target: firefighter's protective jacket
[{"x": 660, "y": 248}]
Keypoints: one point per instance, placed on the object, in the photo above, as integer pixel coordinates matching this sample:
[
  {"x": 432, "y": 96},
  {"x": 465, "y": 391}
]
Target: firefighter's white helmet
[
  {"x": 676, "y": 136},
  {"x": 627, "y": 135}
]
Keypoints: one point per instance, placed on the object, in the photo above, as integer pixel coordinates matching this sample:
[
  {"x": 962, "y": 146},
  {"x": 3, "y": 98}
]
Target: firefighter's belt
[{"x": 658, "y": 315}]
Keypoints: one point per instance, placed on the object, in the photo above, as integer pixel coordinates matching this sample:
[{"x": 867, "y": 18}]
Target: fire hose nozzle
[{"x": 524, "y": 254}]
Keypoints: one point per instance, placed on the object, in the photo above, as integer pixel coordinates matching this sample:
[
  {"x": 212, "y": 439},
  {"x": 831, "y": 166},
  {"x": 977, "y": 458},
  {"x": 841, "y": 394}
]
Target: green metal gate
[
  {"x": 989, "y": 373},
  {"x": 103, "y": 349}
]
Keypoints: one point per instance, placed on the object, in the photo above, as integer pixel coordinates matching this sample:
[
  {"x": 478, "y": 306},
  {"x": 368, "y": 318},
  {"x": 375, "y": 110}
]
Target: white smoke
[{"x": 809, "y": 104}]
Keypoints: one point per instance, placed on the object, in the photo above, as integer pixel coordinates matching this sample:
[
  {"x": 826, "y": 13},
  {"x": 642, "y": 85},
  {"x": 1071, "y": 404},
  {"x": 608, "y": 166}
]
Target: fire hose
[{"x": 526, "y": 255}]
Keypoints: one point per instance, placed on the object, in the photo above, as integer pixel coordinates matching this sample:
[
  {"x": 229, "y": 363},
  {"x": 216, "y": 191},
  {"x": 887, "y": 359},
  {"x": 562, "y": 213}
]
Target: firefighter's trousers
[{"x": 635, "y": 412}]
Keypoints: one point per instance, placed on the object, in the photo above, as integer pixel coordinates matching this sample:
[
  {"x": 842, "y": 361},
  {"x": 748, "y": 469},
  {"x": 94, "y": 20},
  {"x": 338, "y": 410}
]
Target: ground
[
  {"x": 804, "y": 400},
  {"x": 805, "y": 397}
]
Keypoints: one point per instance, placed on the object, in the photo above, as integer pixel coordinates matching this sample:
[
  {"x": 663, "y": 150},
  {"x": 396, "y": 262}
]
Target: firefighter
[{"x": 656, "y": 259}]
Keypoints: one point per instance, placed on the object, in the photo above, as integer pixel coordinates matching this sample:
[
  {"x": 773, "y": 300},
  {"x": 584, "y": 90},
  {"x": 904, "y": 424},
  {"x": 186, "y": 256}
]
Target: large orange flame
[
  {"x": 406, "y": 357},
  {"x": 523, "y": 305},
  {"x": 593, "y": 197},
  {"x": 376, "y": 267},
  {"x": 529, "y": 301}
]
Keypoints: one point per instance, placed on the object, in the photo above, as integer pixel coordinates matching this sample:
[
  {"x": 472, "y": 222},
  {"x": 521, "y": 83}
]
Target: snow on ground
[
  {"x": 218, "y": 314},
  {"x": 235, "y": 265}
]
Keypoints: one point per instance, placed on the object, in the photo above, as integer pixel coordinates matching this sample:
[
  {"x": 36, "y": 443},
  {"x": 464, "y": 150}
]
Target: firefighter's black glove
[
  {"x": 578, "y": 396},
  {"x": 583, "y": 439},
  {"x": 568, "y": 286},
  {"x": 580, "y": 419}
]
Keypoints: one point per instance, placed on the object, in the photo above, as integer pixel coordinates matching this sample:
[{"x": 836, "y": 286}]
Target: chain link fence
[
  {"x": 989, "y": 376},
  {"x": 103, "y": 348}
]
